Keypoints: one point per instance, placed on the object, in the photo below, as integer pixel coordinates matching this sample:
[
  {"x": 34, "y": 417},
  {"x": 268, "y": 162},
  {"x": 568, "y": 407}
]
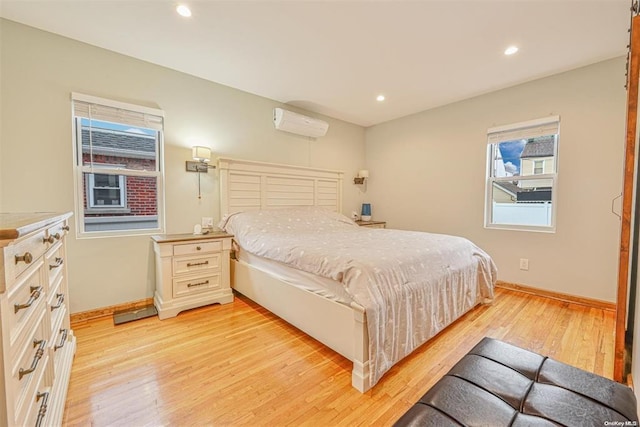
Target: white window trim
[
  {"x": 547, "y": 124},
  {"x": 92, "y": 186},
  {"x": 534, "y": 167},
  {"x": 80, "y": 169}
]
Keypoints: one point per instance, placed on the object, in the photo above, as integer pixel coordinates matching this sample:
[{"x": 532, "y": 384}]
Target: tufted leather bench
[{"x": 498, "y": 384}]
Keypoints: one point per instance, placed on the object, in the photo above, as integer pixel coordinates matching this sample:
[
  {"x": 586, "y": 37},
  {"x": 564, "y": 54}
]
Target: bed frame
[{"x": 247, "y": 185}]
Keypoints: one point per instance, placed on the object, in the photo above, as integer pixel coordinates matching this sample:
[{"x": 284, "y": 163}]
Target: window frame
[
  {"x": 524, "y": 128},
  {"x": 91, "y": 187},
  {"x": 80, "y": 192},
  {"x": 535, "y": 167}
]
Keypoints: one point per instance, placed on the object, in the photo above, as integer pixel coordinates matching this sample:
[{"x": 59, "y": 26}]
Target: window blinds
[
  {"x": 95, "y": 108},
  {"x": 524, "y": 130}
]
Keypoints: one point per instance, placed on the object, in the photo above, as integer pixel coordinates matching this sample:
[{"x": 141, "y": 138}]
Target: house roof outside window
[
  {"x": 118, "y": 143},
  {"x": 538, "y": 147}
]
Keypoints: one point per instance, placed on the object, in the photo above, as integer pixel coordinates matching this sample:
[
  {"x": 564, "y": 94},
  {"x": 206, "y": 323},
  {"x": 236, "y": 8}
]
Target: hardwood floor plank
[{"x": 237, "y": 364}]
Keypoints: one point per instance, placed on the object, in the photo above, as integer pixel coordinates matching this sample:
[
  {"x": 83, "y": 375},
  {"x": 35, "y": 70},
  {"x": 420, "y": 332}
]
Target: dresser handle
[
  {"x": 190, "y": 285},
  {"x": 35, "y": 294},
  {"x": 26, "y": 258},
  {"x": 65, "y": 227},
  {"x": 63, "y": 340},
  {"x": 43, "y": 407},
  {"x": 49, "y": 239},
  {"x": 198, "y": 248},
  {"x": 57, "y": 236},
  {"x": 193, "y": 264},
  {"x": 36, "y": 359},
  {"x": 60, "y": 302},
  {"x": 59, "y": 262}
]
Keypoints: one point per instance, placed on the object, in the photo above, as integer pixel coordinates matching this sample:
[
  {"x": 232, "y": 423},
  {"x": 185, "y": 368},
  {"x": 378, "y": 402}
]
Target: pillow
[{"x": 285, "y": 220}]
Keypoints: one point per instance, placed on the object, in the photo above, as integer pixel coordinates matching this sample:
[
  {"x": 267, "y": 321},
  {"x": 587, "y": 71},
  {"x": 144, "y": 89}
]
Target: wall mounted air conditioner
[{"x": 289, "y": 121}]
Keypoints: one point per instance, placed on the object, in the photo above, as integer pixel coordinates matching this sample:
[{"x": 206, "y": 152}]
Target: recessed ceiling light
[
  {"x": 511, "y": 50},
  {"x": 380, "y": 98},
  {"x": 183, "y": 10}
]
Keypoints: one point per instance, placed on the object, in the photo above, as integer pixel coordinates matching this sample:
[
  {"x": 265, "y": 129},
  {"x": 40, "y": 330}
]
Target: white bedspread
[{"x": 399, "y": 277}]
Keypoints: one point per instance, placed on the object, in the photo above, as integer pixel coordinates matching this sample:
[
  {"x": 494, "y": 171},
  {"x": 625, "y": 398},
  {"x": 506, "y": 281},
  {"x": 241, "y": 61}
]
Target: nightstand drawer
[
  {"x": 377, "y": 225},
  {"x": 197, "y": 248},
  {"x": 194, "y": 285},
  {"x": 372, "y": 224},
  {"x": 192, "y": 264}
]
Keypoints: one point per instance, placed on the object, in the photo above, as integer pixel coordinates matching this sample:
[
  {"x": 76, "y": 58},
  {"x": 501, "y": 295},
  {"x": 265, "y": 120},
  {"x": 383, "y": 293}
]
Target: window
[
  {"x": 522, "y": 175},
  {"x": 118, "y": 158},
  {"x": 538, "y": 167},
  {"x": 106, "y": 191}
]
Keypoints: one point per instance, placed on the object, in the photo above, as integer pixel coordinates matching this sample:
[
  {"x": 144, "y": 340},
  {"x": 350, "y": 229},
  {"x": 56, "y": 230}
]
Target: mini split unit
[{"x": 289, "y": 121}]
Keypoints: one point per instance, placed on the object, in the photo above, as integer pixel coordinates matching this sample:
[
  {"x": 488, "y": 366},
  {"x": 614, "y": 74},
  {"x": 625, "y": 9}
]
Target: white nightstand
[
  {"x": 372, "y": 224},
  {"x": 191, "y": 271}
]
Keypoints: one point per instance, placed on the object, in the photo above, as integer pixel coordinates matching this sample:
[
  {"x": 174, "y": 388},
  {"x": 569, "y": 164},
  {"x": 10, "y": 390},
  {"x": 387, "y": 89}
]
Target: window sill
[{"x": 107, "y": 211}]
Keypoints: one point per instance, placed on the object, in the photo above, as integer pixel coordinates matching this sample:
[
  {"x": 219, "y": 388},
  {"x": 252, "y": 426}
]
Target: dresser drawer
[
  {"x": 58, "y": 310},
  {"x": 191, "y": 264},
  {"x": 39, "y": 405},
  {"x": 60, "y": 346},
  {"x": 54, "y": 262},
  {"x": 197, "y": 248},
  {"x": 29, "y": 364},
  {"x": 57, "y": 232},
  {"x": 194, "y": 285},
  {"x": 22, "y": 255},
  {"x": 23, "y": 301},
  {"x": 56, "y": 291}
]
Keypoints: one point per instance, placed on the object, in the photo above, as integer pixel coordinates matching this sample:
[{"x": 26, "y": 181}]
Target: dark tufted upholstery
[{"x": 498, "y": 384}]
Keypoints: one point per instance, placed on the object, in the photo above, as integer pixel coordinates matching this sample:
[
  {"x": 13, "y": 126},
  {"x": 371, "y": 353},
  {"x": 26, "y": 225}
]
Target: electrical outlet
[
  {"x": 524, "y": 264},
  {"x": 207, "y": 222}
]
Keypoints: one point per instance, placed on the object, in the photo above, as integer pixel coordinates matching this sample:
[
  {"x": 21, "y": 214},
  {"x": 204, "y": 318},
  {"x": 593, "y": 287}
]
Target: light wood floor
[{"x": 237, "y": 364}]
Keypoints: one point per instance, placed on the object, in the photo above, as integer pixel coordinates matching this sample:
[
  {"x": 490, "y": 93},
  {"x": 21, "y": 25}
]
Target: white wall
[
  {"x": 428, "y": 173},
  {"x": 39, "y": 70}
]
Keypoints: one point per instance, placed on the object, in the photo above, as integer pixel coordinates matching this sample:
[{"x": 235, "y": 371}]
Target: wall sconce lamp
[
  {"x": 361, "y": 177},
  {"x": 202, "y": 157}
]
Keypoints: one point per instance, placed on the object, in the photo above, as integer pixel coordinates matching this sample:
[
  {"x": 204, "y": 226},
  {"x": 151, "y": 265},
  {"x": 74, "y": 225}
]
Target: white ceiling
[{"x": 335, "y": 57}]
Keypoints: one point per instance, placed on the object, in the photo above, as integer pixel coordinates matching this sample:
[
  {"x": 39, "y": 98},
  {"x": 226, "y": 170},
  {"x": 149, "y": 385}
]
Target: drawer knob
[
  {"x": 36, "y": 358},
  {"x": 26, "y": 258},
  {"x": 65, "y": 227},
  {"x": 198, "y": 248},
  {"x": 63, "y": 340},
  {"x": 46, "y": 240},
  {"x": 57, "y": 236},
  {"x": 35, "y": 294},
  {"x": 59, "y": 262}
]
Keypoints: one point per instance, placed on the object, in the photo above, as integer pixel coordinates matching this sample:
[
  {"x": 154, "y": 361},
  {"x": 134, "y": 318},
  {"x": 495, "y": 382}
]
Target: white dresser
[
  {"x": 191, "y": 271},
  {"x": 38, "y": 345}
]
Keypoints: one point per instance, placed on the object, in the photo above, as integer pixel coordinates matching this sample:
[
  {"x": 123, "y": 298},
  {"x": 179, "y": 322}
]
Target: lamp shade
[{"x": 202, "y": 154}]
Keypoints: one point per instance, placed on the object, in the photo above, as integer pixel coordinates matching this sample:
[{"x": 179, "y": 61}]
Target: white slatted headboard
[{"x": 247, "y": 185}]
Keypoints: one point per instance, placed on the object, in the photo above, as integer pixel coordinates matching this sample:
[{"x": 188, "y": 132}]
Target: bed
[{"x": 372, "y": 295}]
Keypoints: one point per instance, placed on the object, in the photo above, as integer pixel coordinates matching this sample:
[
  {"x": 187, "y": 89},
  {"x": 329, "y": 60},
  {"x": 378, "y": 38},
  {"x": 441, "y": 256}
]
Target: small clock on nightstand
[{"x": 372, "y": 224}]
